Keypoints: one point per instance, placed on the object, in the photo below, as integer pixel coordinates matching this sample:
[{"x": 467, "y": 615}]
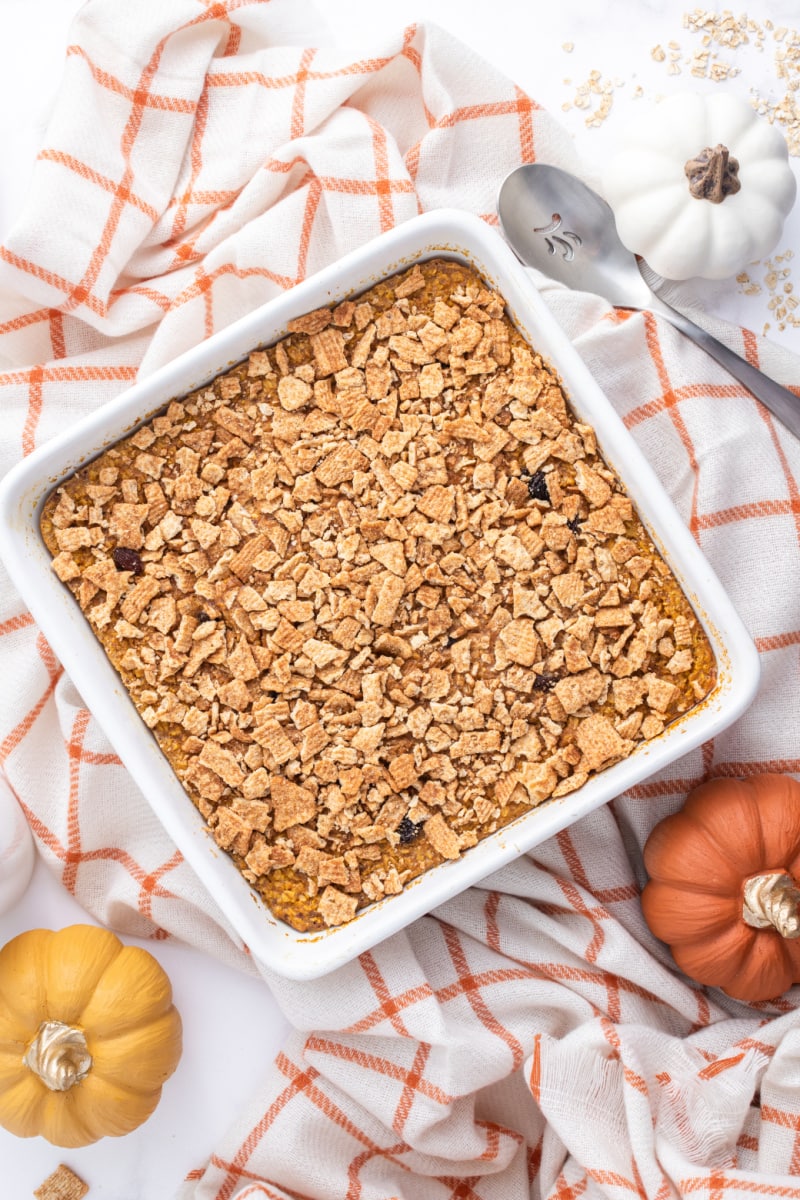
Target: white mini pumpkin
[{"x": 700, "y": 185}]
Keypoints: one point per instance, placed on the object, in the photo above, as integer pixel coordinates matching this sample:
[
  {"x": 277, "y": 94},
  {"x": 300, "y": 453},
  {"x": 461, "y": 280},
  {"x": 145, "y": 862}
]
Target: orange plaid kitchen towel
[{"x": 530, "y": 1038}]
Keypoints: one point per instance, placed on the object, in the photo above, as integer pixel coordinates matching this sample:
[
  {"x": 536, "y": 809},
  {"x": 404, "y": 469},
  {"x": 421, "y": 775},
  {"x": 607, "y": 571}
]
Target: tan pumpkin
[
  {"x": 88, "y": 1035},
  {"x": 723, "y": 888}
]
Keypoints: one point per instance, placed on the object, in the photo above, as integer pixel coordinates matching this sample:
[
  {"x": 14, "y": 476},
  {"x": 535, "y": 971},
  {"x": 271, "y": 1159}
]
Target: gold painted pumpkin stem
[
  {"x": 772, "y": 901},
  {"x": 59, "y": 1056},
  {"x": 713, "y": 174}
]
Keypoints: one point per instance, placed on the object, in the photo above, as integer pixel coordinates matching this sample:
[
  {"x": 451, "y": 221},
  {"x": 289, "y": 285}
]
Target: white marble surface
[{"x": 556, "y": 51}]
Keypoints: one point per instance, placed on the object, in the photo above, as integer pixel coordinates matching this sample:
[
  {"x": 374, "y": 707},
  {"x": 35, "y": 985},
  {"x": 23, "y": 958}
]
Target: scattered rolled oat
[
  {"x": 596, "y": 94},
  {"x": 723, "y": 27},
  {"x": 776, "y": 281}
]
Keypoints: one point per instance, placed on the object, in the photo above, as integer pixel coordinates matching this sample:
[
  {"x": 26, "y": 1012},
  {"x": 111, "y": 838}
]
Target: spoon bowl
[{"x": 555, "y": 222}]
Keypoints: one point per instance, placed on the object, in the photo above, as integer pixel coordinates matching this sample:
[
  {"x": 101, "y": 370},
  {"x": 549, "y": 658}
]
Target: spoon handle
[{"x": 782, "y": 403}]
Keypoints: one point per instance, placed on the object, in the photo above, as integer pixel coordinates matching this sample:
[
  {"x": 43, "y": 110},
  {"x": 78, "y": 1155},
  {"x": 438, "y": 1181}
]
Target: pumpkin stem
[
  {"x": 713, "y": 174},
  {"x": 59, "y": 1056},
  {"x": 772, "y": 901}
]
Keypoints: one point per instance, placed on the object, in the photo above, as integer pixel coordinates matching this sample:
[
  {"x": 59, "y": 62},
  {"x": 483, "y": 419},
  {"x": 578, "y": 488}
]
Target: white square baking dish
[{"x": 464, "y": 238}]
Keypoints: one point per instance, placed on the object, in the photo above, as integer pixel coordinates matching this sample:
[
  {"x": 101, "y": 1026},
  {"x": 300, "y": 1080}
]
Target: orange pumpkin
[{"x": 723, "y": 888}]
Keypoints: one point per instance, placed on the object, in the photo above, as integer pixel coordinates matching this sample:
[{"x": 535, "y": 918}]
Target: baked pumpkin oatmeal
[{"x": 376, "y": 593}]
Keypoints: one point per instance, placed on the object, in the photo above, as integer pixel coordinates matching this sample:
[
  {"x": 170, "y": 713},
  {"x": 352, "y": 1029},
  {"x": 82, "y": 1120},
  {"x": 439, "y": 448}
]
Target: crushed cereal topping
[{"x": 376, "y": 593}]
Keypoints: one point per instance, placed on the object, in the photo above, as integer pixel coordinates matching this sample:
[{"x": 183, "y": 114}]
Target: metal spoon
[{"x": 556, "y": 223}]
